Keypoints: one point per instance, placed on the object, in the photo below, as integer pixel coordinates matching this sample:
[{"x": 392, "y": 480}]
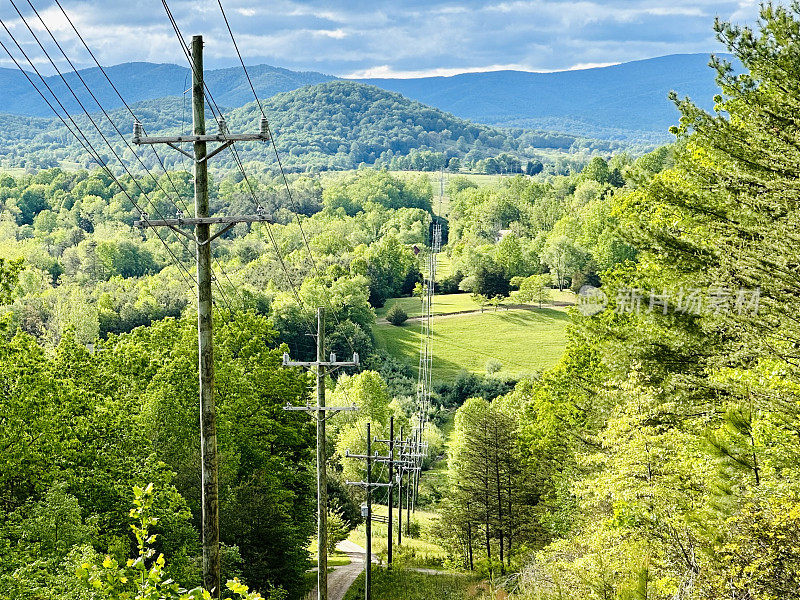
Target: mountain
[
  {"x": 332, "y": 125},
  {"x": 139, "y": 81},
  {"x": 626, "y": 101},
  {"x": 600, "y": 102}
]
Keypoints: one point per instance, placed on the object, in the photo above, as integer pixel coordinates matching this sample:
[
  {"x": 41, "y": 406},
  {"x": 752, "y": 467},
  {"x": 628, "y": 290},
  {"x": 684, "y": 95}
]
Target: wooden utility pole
[
  {"x": 320, "y": 413},
  {"x": 368, "y": 485},
  {"x": 202, "y": 237},
  {"x": 389, "y": 459}
]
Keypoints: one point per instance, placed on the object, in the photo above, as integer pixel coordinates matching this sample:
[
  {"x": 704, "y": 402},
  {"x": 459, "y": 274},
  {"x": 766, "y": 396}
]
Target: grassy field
[
  {"x": 525, "y": 341},
  {"x": 400, "y": 584},
  {"x": 337, "y": 559},
  {"x": 445, "y": 304}
]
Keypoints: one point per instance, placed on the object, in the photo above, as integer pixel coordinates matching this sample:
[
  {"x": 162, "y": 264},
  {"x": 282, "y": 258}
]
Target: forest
[
  {"x": 657, "y": 460},
  {"x": 337, "y": 125}
]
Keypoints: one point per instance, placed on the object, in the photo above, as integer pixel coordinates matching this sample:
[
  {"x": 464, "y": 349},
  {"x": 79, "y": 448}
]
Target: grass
[
  {"x": 400, "y": 584},
  {"x": 337, "y": 559},
  {"x": 446, "y": 304},
  {"x": 418, "y": 550},
  {"x": 442, "y": 305},
  {"x": 525, "y": 341}
]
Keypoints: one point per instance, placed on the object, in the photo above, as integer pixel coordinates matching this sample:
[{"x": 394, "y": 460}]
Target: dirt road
[{"x": 341, "y": 578}]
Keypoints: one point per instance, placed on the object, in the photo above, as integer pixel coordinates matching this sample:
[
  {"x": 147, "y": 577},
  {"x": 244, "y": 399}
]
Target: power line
[
  {"x": 216, "y": 111},
  {"x": 280, "y": 164},
  {"x": 85, "y": 143},
  {"x": 86, "y": 112},
  {"x": 128, "y": 108}
]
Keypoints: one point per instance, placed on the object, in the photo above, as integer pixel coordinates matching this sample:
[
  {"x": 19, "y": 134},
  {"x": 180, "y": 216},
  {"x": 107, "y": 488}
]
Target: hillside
[
  {"x": 334, "y": 125},
  {"x": 626, "y": 101},
  {"x": 608, "y": 102},
  {"x": 147, "y": 81}
]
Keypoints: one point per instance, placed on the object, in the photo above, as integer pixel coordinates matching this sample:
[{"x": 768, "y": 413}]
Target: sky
[{"x": 380, "y": 38}]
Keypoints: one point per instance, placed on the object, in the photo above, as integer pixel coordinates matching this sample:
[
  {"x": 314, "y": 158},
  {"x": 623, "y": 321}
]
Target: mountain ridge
[
  {"x": 331, "y": 125},
  {"x": 620, "y": 101}
]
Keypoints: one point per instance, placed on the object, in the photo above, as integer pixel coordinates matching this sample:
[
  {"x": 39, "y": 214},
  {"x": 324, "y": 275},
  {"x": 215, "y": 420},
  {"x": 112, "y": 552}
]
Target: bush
[
  {"x": 396, "y": 315},
  {"x": 338, "y": 529},
  {"x": 493, "y": 366},
  {"x": 450, "y": 285}
]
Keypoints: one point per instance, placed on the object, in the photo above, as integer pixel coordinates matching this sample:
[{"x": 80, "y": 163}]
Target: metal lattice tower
[{"x": 424, "y": 377}]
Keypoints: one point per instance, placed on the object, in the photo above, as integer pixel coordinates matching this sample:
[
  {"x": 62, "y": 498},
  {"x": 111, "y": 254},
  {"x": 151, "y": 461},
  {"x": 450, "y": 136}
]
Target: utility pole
[
  {"x": 320, "y": 412},
  {"x": 400, "y": 471},
  {"x": 202, "y": 238},
  {"x": 368, "y": 485},
  {"x": 390, "y": 502}
]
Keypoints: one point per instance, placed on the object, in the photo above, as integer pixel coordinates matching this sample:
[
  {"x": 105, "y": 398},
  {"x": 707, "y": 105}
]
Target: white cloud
[
  {"x": 337, "y": 34},
  {"x": 387, "y": 72},
  {"x": 395, "y": 38}
]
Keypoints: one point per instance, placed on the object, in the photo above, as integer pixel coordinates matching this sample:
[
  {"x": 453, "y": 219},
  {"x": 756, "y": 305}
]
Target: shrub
[
  {"x": 338, "y": 529},
  {"x": 396, "y": 315},
  {"x": 493, "y": 366}
]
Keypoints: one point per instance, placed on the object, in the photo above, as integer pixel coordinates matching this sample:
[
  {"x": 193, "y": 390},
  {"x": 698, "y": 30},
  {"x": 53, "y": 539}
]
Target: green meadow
[{"x": 525, "y": 341}]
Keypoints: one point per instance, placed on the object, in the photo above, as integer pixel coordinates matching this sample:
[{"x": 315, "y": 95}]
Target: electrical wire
[
  {"x": 280, "y": 164},
  {"x": 87, "y": 146},
  {"x": 218, "y": 115},
  {"x": 86, "y": 112},
  {"x": 136, "y": 119}
]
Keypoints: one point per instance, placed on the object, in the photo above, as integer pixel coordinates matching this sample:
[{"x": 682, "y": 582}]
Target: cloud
[
  {"x": 387, "y": 72},
  {"x": 392, "y": 38}
]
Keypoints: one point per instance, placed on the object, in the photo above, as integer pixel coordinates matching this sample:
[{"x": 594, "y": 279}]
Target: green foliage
[
  {"x": 535, "y": 288},
  {"x": 399, "y": 584},
  {"x": 493, "y": 366},
  {"x": 369, "y": 188},
  {"x": 337, "y": 530},
  {"x": 668, "y": 439},
  {"x": 9, "y": 276},
  {"x": 396, "y": 315},
  {"x": 144, "y": 577}
]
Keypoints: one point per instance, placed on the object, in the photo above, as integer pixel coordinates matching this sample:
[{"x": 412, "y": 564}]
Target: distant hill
[
  {"x": 626, "y": 101},
  {"x": 333, "y": 125},
  {"x": 147, "y": 81},
  {"x": 606, "y": 102}
]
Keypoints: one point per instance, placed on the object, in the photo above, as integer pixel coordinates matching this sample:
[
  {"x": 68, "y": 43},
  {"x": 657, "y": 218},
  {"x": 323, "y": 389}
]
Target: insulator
[
  {"x": 138, "y": 130},
  {"x": 145, "y": 216},
  {"x": 223, "y": 126},
  {"x": 264, "y": 126},
  {"x": 333, "y": 357},
  {"x": 179, "y": 214}
]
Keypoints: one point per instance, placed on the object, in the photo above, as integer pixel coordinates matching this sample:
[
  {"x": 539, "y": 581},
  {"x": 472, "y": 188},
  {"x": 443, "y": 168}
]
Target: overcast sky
[{"x": 389, "y": 38}]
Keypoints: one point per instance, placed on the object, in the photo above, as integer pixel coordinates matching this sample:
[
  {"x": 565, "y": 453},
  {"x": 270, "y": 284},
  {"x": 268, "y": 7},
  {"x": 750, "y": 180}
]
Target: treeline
[
  {"x": 663, "y": 449},
  {"x": 99, "y": 369},
  {"x": 86, "y": 269},
  {"x": 528, "y": 233}
]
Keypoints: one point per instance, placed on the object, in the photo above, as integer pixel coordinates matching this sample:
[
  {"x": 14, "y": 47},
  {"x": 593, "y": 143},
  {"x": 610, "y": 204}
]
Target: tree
[
  {"x": 535, "y": 288},
  {"x": 9, "y": 276},
  {"x": 396, "y": 315},
  {"x": 563, "y": 257},
  {"x": 490, "y": 280},
  {"x": 483, "y": 478},
  {"x": 533, "y": 167}
]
